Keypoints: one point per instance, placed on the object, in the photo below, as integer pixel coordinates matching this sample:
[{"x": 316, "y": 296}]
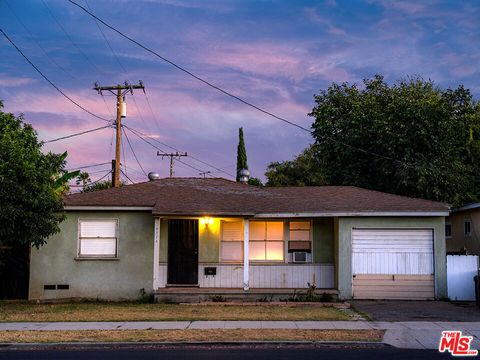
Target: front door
[{"x": 183, "y": 252}]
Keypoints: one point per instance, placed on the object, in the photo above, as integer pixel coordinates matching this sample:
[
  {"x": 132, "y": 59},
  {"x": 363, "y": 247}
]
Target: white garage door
[{"x": 392, "y": 264}]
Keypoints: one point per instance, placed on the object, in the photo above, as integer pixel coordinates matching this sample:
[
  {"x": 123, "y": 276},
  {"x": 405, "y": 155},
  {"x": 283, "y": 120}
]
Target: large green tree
[
  {"x": 410, "y": 138},
  {"x": 304, "y": 170},
  {"x": 31, "y": 207}
]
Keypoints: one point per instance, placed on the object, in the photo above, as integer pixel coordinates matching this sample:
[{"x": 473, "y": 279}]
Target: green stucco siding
[
  {"x": 209, "y": 242},
  {"x": 323, "y": 236},
  {"x": 345, "y": 225},
  {"x": 55, "y": 263}
]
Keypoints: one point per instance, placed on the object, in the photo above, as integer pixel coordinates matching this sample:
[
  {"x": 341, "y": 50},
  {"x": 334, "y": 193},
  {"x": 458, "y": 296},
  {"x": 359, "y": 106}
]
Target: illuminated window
[
  {"x": 232, "y": 241},
  {"x": 266, "y": 241},
  {"x": 300, "y": 238},
  {"x": 97, "y": 238}
]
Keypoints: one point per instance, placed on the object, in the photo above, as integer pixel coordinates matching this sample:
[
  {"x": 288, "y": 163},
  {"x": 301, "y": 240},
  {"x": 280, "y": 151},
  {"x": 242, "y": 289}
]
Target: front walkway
[{"x": 410, "y": 334}]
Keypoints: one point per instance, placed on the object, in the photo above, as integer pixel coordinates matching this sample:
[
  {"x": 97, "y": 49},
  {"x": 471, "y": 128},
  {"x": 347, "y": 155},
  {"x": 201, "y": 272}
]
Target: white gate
[{"x": 460, "y": 272}]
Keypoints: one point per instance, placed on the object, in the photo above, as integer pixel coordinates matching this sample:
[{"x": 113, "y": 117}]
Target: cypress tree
[{"x": 241, "y": 154}]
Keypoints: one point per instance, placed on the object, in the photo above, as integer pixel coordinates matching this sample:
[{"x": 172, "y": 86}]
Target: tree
[
  {"x": 241, "y": 154},
  {"x": 255, "y": 181},
  {"x": 100, "y": 185},
  {"x": 411, "y": 138},
  {"x": 84, "y": 179},
  {"x": 30, "y": 206},
  {"x": 304, "y": 170}
]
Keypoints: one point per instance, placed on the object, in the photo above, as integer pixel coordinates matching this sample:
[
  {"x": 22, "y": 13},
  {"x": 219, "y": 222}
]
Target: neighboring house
[
  {"x": 462, "y": 230},
  {"x": 184, "y": 236}
]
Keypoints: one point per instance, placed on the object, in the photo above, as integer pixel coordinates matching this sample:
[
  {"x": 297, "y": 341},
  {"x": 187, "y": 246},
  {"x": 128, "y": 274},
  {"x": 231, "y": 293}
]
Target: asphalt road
[{"x": 240, "y": 353}]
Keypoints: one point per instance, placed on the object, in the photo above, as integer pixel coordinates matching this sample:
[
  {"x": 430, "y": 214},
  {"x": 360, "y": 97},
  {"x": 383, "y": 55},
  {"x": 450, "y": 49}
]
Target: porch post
[
  {"x": 156, "y": 255},
  {"x": 245, "y": 254}
]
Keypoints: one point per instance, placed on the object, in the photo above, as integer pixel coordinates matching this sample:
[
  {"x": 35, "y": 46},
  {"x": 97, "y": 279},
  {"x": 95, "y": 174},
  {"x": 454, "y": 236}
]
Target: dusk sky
[{"x": 274, "y": 54}]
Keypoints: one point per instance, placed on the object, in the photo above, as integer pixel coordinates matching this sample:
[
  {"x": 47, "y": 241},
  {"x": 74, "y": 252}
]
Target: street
[{"x": 231, "y": 353}]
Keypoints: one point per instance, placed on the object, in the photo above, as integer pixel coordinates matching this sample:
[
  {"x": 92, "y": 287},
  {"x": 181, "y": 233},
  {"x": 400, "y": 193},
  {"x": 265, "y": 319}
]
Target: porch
[{"x": 202, "y": 258}]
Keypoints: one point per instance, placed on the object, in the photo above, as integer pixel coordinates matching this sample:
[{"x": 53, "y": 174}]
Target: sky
[{"x": 274, "y": 54}]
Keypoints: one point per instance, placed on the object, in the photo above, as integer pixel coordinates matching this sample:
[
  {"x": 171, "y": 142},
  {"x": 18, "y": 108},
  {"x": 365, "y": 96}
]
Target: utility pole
[
  {"x": 172, "y": 156},
  {"x": 204, "y": 173},
  {"x": 119, "y": 91}
]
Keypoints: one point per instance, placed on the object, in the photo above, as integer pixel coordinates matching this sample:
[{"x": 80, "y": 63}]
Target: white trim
[
  {"x": 156, "y": 254},
  {"x": 246, "y": 237},
  {"x": 467, "y": 207},
  {"x": 111, "y": 208},
  {"x": 346, "y": 214}
]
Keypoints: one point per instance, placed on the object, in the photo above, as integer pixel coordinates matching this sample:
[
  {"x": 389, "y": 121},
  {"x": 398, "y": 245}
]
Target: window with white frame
[
  {"x": 300, "y": 237},
  {"x": 467, "y": 227},
  {"x": 266, "y": 241},
  {"x": 232, "y": 241},
  {"x": 97, "y": 238},
  {"x": 448, "y": 230}
]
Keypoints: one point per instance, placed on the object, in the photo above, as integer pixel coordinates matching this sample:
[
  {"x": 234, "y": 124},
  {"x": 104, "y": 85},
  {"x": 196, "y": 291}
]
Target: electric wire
[
  {"x": 88, "y": 166},
  {"x": 75, "y": 78},
  {"x": 133, "y": 152},
  {"x": 160, "y": 149},
  {"x": 76, "y": 134},
  {"x": 125, "y": 174},
  {"x": 48, "y": 80},
  {"x": 70, "y": 38},
  {"x": 176, "y": 149},
  {"x": 229, "y": 94}
]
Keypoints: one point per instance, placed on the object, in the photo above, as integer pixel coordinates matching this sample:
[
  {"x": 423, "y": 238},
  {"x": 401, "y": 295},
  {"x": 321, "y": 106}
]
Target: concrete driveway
[{"x": 391, "y": 310}]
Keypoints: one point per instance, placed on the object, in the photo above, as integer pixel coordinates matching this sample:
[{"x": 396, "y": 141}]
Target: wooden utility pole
[
  {"x": 172, "y": 156},
  {"x": 119, "y": 91}
]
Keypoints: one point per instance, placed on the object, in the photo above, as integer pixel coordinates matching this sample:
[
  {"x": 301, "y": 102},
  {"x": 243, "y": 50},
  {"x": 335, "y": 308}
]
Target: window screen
[{"x": 98, "y": 238}]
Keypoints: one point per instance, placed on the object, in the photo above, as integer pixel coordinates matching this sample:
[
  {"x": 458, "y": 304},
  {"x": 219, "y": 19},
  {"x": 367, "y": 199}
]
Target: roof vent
[
  {"x": 244, "y": 176},
  {"x": 153, "y": 176}
]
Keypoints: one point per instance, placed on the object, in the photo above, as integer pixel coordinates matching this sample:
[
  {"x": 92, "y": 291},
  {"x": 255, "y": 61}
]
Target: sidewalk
[{"x": 410, "y": 335}]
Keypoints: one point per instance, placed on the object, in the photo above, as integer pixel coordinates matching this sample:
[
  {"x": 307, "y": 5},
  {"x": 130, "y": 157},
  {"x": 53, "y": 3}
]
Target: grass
[
  {"x": 130, "y": 311},
  {"x": 188, "y": 335}
]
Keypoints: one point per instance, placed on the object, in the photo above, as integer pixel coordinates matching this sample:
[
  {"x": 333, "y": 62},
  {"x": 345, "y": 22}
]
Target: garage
[{"x": 393, "y": 264}]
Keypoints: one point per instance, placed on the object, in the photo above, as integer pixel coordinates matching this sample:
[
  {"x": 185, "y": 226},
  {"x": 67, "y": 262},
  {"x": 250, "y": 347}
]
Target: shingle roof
[{"x": 217, "y": 196}]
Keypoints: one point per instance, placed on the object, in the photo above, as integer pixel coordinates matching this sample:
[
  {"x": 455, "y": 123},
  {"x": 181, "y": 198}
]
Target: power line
[
  {"x": 225, "y": 92},
  {"x": 124, "y": 173},
  {"x": 156, "y": 147},
  {"x": 70, "y": 38},
  {"x": 174, "y": 148},
  {"x": 88, "y": 166},
  {"x": 48, "y": 80},
  {"x": 77, "y": 134},
  {"x": 133, "y": 152},
  {"x": 229, "y": 94}
]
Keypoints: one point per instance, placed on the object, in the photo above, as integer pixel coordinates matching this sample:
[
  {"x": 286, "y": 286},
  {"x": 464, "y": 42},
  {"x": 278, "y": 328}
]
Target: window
[
  {"x": 266, "y": 241},
  {"x": 232, "y": 241},
  {"x": 448, "y": 230},
  {"x": 97, "y": 238},
  {"x": 300, "y": 239},
  {"x": 467, "y": 227}
]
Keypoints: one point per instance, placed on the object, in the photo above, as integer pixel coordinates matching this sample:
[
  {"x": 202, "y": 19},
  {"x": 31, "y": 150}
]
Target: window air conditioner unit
[{"x": 299, "y": 257}]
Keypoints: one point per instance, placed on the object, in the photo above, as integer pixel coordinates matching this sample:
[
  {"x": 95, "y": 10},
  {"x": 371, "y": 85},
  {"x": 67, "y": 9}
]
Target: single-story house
[
  {"x": 462, "y": 230},
  {"x": 212, "y": 236}
]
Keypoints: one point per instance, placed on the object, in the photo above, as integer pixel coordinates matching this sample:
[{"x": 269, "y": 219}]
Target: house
[
  {"x": 462, "y": 230},
  {"x": 206, "y": 237}
]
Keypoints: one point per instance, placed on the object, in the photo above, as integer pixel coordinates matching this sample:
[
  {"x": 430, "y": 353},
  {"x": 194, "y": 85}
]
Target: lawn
[
  {"x": 128, "y": 311},
  {"x": 189, "y": 335}
]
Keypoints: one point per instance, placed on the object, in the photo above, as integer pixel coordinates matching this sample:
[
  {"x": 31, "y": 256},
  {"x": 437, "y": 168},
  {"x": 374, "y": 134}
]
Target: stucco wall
[
  {"x": 323, "y": 240},
  {"x": 118, "y": 279},
  {"x": 458, "y": 241},
  {"x": 345, "y": 225}
]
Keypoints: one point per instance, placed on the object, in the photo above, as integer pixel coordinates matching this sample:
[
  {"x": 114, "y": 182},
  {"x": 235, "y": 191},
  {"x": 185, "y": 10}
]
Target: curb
[{"x": 179, "y": 344}]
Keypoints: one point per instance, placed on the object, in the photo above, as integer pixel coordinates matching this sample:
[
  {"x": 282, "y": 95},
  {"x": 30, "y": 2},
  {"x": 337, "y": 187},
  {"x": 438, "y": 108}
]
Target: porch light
[{"x": 206, "y": 221}]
